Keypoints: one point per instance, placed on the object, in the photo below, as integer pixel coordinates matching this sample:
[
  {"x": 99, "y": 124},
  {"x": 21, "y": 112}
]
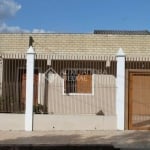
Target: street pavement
[{"x": 119, "y": 139}]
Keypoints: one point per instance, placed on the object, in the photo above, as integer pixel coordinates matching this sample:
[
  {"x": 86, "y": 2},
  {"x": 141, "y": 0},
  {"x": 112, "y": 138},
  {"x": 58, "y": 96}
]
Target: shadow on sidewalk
[{"x": 118, "y": 139}]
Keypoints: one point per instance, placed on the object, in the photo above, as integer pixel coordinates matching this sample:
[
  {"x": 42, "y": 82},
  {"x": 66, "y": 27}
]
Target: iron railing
[{"x": 92, "y": 78}]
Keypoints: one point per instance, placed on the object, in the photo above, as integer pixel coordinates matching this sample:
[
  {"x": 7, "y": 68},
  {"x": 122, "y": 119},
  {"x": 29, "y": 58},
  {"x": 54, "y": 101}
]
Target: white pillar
[
  {"x": 120, "y": 91},
  {"x": 1, "y": 75},
  {"x": 29, "y": 89}
]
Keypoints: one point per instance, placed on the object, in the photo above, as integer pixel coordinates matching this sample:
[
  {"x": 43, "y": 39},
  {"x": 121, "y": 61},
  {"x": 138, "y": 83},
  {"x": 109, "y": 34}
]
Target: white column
[
  {"x": 120, "y": 91},
  {"x": 29, "y": 89},
  {"x": 41, "y": 88},
  {"x": 1, "y": 75}
]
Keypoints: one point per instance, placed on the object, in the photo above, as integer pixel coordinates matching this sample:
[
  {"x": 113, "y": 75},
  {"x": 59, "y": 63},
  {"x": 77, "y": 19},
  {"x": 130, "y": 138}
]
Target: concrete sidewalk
[{"x": 119, "y": 139}]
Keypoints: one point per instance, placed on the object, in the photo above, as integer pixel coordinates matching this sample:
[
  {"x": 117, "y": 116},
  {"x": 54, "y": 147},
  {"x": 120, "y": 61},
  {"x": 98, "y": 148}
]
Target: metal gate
[
  {"x": 138, "y": 94},
  {"x": 139, "y": 100}
]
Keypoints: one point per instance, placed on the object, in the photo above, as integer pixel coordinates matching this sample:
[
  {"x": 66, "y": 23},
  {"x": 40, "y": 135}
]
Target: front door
[
  {"x": 23, "y": 90},
  {"x": 139, "y": 100}
]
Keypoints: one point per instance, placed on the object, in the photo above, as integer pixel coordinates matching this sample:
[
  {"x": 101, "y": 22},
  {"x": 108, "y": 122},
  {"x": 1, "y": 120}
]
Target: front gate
[{"x": 139, "y": 100}]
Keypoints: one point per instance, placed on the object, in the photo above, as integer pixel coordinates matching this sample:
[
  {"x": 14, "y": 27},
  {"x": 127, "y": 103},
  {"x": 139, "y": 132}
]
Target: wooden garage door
[{"x": 139, "y": 101}]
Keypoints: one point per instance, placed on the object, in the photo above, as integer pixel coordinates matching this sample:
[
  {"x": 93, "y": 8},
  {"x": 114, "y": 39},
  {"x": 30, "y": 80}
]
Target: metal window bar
[{"x": 51, "y": 94}]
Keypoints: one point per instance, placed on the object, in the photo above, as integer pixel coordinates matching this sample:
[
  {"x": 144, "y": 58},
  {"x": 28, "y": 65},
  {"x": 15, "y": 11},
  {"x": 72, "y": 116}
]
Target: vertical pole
[
  {"x": 1, "y": 75},
  {"x": 29, "y": 89},
  {"x": 120, "y": 91}
]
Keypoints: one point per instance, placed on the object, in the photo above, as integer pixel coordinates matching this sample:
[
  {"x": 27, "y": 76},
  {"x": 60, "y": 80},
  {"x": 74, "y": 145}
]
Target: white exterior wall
[
  {"x": 12, "y": 121},
  {"x": 74, "y": 122},
  {"x": 103, "y": 98}
]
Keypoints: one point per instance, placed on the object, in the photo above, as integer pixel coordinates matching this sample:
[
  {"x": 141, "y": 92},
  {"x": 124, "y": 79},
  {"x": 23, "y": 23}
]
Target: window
[{"x": 78, "y": 81}]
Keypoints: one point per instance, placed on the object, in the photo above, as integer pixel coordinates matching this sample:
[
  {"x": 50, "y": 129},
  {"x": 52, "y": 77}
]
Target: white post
[
  {"x": 120, "y": 91},
  {"x": 1, "y": 75},
  {"x": 29, "y": 89}
]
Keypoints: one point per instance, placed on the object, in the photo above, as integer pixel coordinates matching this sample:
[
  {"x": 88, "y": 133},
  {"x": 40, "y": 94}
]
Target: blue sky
[{"x": 75, "y": 16}]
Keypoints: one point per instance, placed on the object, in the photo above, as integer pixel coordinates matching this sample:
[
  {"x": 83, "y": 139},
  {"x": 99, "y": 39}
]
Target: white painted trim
[
  {"x": 80, "y": 94},
  {"x": 41, "y": 88}
]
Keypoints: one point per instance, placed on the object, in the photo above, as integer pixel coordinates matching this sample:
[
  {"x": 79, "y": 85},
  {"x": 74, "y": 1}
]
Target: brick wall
[{"x": 76, "y": 43}]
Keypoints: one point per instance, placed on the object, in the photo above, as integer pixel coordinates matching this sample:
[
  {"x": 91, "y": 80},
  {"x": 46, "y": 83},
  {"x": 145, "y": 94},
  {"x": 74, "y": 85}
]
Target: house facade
[{"x": 93, "y": 81}]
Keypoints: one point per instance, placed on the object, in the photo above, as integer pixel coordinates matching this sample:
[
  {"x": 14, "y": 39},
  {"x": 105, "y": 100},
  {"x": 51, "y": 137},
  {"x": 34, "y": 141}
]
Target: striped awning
[
  {"x": 67, "y": 56},
  {"x": 59, "y": 56}
]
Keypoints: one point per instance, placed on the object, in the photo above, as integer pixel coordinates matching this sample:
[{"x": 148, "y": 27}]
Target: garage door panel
[{"x": 139, "y": 101}]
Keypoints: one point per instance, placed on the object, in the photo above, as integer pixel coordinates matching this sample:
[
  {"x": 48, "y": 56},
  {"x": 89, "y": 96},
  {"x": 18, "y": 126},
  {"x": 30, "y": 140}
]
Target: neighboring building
[{"x": 76, "y": 80}]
